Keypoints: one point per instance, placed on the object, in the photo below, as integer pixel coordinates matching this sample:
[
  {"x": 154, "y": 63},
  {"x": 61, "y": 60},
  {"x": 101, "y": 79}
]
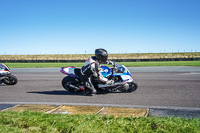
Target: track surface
[{"x": 159, "y": 87}]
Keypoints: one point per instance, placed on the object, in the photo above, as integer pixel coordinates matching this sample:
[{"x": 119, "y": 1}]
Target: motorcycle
[
  {"x": 121, "y": 76},
  {"x": 6, "y": 77}
]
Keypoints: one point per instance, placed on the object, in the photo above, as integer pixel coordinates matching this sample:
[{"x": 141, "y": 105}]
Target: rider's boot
[
  {"x": 94, "y": 91},
  {"x": 91, "y": 90}
]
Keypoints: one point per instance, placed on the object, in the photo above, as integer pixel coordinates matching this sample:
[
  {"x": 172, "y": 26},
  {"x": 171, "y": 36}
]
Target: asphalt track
[{"x": 169, "y": 88}]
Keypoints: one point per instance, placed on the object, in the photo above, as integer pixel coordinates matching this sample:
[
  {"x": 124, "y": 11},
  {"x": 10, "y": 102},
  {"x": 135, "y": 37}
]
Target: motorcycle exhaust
[
  {"x": 2, "y": 78},
  {"x": 74, "y": 87}
]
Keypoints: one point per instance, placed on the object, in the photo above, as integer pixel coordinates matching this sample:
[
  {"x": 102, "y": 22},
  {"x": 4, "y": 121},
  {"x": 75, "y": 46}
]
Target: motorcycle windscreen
[{"x": 4, "y": 67}]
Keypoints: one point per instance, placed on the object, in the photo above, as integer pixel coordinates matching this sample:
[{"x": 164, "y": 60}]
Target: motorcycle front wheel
[
  {"x": 10, "y": 80},
  {"x": 133, "y": 87}
]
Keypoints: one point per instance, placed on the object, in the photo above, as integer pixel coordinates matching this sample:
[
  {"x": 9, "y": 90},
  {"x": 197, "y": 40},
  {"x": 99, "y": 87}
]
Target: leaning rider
[
  {"x": 92, "y": 67},
  {"x": 1, "y": 71}
]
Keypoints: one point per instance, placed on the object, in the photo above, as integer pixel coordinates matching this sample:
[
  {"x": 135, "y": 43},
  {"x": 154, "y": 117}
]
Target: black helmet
[{"x": 101, "y": 54}]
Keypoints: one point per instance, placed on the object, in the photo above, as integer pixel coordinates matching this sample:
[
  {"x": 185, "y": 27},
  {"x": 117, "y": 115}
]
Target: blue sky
[{"x": 81, "y": 26}]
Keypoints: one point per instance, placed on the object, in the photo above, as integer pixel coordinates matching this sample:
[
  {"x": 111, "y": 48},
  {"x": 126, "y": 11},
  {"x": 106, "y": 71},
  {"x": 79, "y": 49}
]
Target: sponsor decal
[
  {"x": 106, "y": 70},
  {"x": 126, "y": 77}
]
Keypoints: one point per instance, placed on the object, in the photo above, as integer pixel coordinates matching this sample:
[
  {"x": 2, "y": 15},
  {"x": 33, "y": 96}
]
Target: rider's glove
[
  {"x": 110, "y": 82},
  {"x": 109, "y": 62}
]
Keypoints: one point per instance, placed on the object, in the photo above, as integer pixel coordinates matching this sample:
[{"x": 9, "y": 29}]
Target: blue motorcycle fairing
[
  {"x": 106, "y": 71},
  {"x": 120, "y": 74}
]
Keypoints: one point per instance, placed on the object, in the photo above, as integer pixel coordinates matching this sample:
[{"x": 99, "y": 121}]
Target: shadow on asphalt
[
  {"x": 56, "y": 92},
  {"x": 63, "y": 92}
]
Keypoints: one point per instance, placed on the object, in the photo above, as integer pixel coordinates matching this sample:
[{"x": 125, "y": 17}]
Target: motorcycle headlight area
[{"x": 126, "y": 77}]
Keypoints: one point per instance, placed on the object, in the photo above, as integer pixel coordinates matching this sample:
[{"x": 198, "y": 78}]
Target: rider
[
  {"x": 92, "y": 67},
  {"x": 2, "y": 72}
]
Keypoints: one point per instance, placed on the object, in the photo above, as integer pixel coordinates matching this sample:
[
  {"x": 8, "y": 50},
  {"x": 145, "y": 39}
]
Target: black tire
[
  {"x": 88, "y": 92},
  {"x": 69, "y": 80},
  {"x": 133, "y": 87},
  {"x": 10, "y": 80}
]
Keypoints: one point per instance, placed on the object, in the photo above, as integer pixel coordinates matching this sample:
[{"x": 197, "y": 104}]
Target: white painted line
[
  {"x": 188, "y": 73},
  {"x": 100, "y": 110}
]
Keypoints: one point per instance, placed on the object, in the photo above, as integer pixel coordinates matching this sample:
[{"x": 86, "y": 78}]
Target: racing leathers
[{"x": 92, "y": 68}]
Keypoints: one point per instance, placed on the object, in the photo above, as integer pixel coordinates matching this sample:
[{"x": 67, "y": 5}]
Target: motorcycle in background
[
  {"x": 6, "y": 77},
  {"x": 122, "y": 77}
]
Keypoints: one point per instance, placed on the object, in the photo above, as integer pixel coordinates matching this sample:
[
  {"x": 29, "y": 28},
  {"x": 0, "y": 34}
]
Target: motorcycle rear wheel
[
  {"x": 10, "y": 80},
  {"x": 69, "y": 80}
]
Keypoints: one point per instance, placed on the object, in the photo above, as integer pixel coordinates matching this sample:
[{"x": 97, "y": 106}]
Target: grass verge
[
  {"x": 27, "y": 121},
  {"x": 128, "y": 64}
]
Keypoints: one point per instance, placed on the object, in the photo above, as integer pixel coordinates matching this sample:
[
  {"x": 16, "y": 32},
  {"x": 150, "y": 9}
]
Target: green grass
[
  {"x": 17, "y": 122},
  {"x": 128, "y": 64}
]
